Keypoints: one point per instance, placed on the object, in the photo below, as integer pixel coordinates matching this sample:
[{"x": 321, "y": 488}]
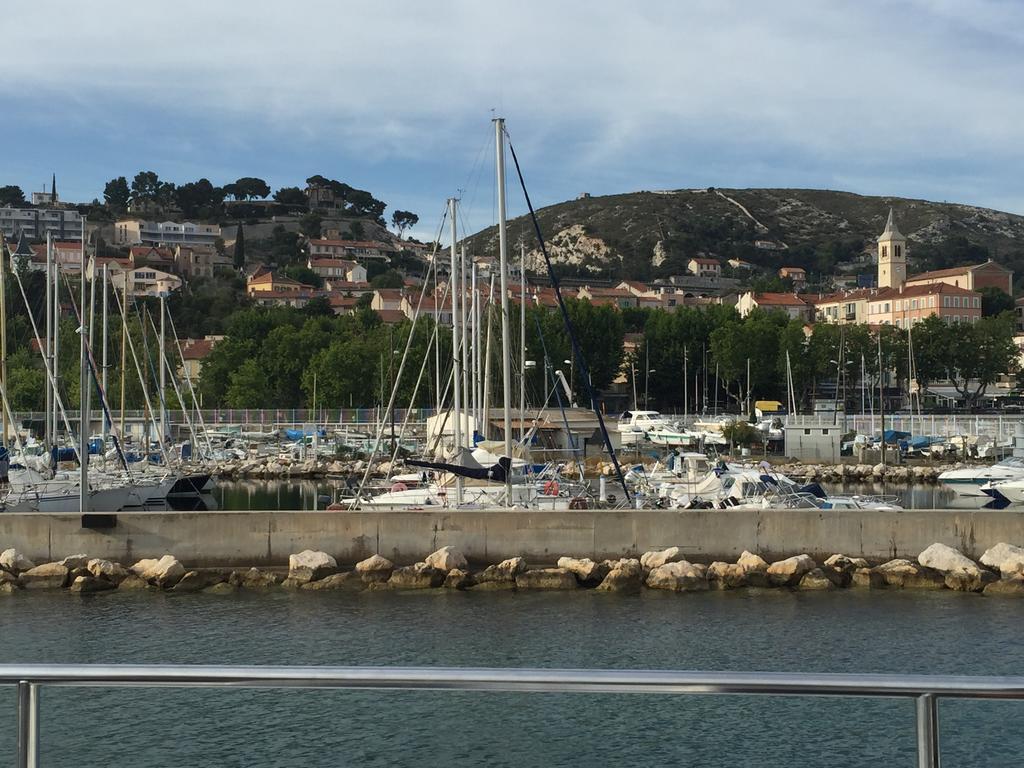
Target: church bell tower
[{"x": 892, "y": 256}]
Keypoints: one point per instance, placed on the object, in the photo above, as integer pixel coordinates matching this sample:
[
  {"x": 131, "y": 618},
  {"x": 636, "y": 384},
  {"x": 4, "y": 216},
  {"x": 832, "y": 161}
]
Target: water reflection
[{"x": 234, "y": 495}]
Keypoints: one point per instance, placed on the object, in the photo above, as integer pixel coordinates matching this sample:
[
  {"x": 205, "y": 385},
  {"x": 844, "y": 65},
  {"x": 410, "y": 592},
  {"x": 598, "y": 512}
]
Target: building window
[
  {"x": 885, "y": 251},
  {"x": 913, "y": 304},
  {"x": 896, "y": 251},
  {"x": 931, "y": 301},
  {"x": 977, "y": 303}
]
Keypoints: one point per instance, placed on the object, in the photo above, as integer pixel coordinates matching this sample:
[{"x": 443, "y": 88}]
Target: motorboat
[
  {"x": 635, "y": 425},
  {"x": 1009, "y": 490},
  {"x": 968, "y": 481}
]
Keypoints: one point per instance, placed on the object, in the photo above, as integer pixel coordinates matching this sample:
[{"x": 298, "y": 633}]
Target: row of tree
[{"x": 276, "y": 357}]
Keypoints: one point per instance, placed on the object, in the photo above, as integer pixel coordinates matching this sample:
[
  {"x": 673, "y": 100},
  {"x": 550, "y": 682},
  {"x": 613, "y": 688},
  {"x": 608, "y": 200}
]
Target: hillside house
[
  {"x": 193, "y": 353},
  {"x": 200, "y": 261},
  {"x": 142, "y": 232},
  {"x": 702, "y": 267},
  {"x": 973, "y": 277},
  {"x": 797, "y": 274},
  {"x": 387, "y": 300},
  {"x": 337, "y": 269},
  {"x": 903, "y": 307},
  {"x": 351, "y": 249},
  {"x": 145, "y": 281},
  {"x": 271, "y": 282},
  {"x": 615, "y": 297},
  {"x": 790, "y": 303}
]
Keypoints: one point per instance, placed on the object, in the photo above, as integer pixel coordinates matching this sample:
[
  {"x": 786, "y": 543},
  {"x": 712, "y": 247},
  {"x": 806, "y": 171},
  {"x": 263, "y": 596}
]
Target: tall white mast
[
  {"x": 453, "y": 282},
  {"x": 49, "y": 437},
  {"x": 83, "y": 383},
  {"x": 56, "y": 340},
  {"x": 463, "y": 334},
  {"x": 474, "y": 334},
  {"x": 506, "y": 351},
  {"x": 163, "y": 368},
  {"x": 103, "y": 374},
  {"x": 522, "y": 341}
]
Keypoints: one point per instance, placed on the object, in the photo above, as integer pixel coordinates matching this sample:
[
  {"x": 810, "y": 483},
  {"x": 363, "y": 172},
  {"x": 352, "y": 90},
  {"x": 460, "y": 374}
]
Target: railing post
[
  {"x": 927, "y": 731},
  {"x": 28, "y": 725}
]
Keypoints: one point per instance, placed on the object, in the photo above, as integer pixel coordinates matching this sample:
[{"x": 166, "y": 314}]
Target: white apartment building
[
  {"x": 34, "y": 223},
  {"x": 145, "y": 281},
  {"x": 140, "y": 232}
]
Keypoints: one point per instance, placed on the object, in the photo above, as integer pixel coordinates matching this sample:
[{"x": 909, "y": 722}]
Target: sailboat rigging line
[
  {"x": 157, "y": 423},
  {"x": 145, "y": 390},
  {"x": 174, "y": 385},
  {"x": 558, "y": 396},
  {"x": 577, "y": 351},
  {"x": 415, "y": 391},
  {"x": 401, "y": 367},
  {"x": 92, "y": 371},
  {"x": 46, "y": 365},
  {"x": 191, "y": 389}
]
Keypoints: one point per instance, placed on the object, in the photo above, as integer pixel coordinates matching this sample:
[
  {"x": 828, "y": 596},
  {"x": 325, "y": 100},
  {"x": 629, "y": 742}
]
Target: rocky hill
[{"x": 652, "y": 234}]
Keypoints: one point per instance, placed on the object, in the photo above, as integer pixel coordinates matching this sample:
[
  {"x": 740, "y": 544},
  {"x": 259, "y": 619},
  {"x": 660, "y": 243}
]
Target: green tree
[
  {"x": 11, "y": 195},
  {"x": 390, "y": 279},
  {"x": 248, "y": 188},
  {"x": 292, "y": 196},
  {"x": 146, "y": 187},
  {"x": 983, "y": 351},
  {"x": 248, "y": 386},
  {"x": 994, "y": 301},
  {"x": 356, "y": 231},
  {"x": 303, "y": 274},
  {"x": 117, "y": 195},
  {"x": 239, "y": 258},
  {"x": 310, "y": 225},
  {"x": 403, "y": 220},
  {"x": 199, "y": 199}
]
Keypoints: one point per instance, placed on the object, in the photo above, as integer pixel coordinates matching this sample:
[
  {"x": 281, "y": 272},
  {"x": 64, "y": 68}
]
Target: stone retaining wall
[{"x": 213, "y": 539}]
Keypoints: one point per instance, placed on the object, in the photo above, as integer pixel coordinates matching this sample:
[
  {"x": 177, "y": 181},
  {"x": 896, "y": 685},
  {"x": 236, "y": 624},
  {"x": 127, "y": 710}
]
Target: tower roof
[{"x": 891, "y": 232}]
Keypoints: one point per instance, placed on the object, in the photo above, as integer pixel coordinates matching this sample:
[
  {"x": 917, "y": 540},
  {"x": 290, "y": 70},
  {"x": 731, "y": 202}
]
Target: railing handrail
[
  {"x": 517, "y": 679},
  {"x": 926, "y": 690}
]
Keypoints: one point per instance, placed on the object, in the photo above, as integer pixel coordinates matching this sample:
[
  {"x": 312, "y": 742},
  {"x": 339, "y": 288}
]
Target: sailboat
[{"x": 499, "y": 473}]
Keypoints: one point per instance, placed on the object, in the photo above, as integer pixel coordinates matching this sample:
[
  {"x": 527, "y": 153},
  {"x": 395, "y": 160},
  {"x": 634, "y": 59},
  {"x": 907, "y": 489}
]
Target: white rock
[
  {"x": 374, "y": 563},
  {"x": 310, "y": 565},
  {"x": 46, "y": 576},
  {"x": 107, "y": 569},
  {"x": 585, "y": 569},
  {"x": 657, "y": 558},
  {"x": 791, "y": 570},
  {"x": 12, "y": 560},
  {"x": 71, "y": 562},
  {"x": 678, "y": 576},
  {"x": 1005, "y": 558},
  {"x": 165, "y": 572},
  {"x": 751, "y": 563},
  {"x": 947, "y": 560},
  {"x": 447, "y": 559}
]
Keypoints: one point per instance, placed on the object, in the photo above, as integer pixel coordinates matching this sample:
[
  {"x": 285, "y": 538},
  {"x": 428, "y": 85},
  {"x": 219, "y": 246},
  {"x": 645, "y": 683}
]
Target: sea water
[{"x": 778, "y": 630}]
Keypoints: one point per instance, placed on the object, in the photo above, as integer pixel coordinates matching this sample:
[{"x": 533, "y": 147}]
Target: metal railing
[{"x": 926, "y": 690}]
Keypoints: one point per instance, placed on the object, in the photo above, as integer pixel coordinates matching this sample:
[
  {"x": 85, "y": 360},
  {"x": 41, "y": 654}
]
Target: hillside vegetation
[{"x": 644, "y": 235}]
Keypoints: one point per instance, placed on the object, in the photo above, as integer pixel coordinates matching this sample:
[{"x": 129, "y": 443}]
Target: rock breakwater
[{"x": 1000, "y": 573}]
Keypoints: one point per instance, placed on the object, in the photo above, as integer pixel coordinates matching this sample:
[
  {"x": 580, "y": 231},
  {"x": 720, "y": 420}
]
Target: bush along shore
[{"x": 1000, "y": 572}]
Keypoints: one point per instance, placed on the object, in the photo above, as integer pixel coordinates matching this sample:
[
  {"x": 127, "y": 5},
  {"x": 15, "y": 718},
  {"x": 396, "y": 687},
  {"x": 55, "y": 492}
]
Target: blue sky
[{"x": 918, "y": 98}]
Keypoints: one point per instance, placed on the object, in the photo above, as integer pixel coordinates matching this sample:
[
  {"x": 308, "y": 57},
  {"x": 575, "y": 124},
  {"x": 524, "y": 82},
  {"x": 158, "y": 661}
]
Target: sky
[{"x": 914, "y": 98}]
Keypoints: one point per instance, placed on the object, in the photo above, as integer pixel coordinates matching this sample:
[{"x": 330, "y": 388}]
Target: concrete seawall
[{"x": 267, "y": 538}]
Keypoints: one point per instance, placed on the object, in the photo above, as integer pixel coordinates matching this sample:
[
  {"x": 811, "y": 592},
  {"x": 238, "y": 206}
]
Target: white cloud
[{"x": 594, "y": 87}]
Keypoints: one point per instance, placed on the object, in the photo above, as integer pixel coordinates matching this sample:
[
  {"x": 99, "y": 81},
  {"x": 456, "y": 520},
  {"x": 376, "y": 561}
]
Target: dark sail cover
[{"x": 496, "y": 473}]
